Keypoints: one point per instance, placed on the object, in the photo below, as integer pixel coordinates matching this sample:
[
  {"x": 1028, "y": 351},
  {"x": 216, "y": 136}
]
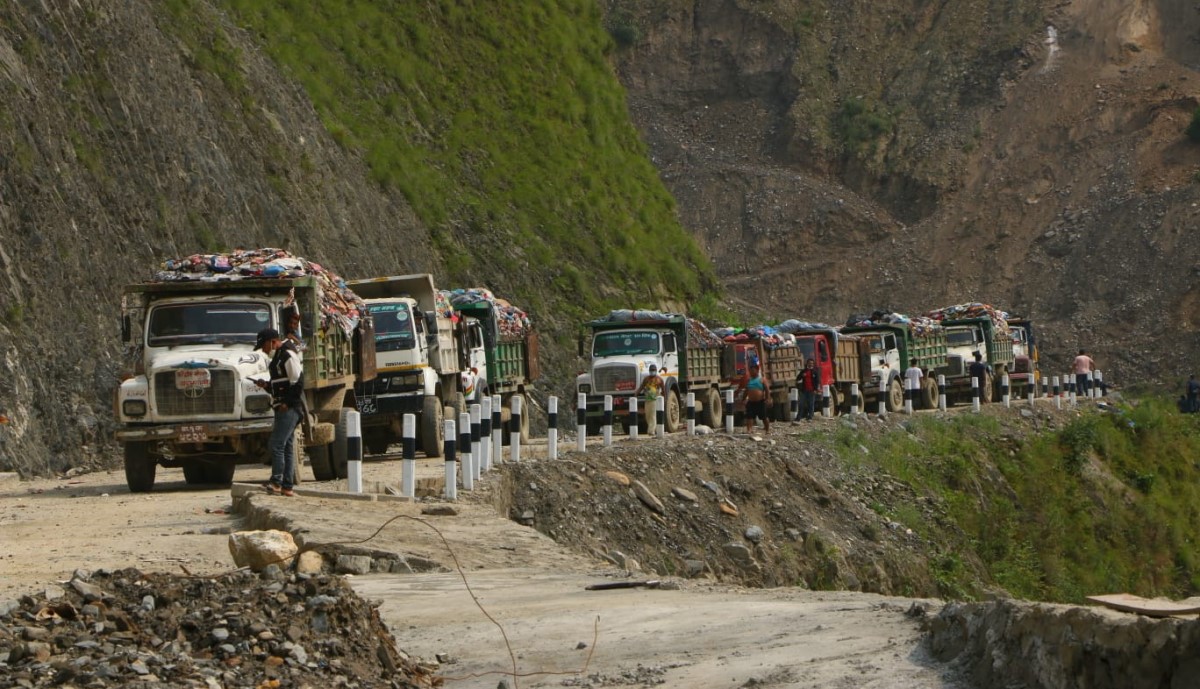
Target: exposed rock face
[
  {"x": 836, "y": 157},
  {"x": 1041, "y": 646}
]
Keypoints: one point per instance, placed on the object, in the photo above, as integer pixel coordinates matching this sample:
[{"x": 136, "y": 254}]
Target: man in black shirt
[
  {"x": 978, "y": 371},
  {"x": 287, "y": 389}
]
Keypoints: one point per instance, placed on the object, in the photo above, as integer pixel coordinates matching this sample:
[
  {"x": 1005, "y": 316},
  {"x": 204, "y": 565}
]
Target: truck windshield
[
  {"x": 206, "y": 323},
  {"x": 393, "y": 326},
  {"x": 624, "y": 343},
  {"x": 960, "y": 338},
  {"x": 875, "y": 344}
]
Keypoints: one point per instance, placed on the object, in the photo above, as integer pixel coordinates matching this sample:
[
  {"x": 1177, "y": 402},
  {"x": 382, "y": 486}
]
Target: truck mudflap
[{"x": 197, "y": 432}]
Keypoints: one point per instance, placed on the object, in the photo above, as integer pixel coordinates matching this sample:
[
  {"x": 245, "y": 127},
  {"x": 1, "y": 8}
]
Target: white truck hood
[{"x": 245, "y": 360}]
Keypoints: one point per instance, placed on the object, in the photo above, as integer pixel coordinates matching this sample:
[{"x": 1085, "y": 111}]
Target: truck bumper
[
  {"x": 200, "y": 431},
  {"x": 379, "y": 410}
]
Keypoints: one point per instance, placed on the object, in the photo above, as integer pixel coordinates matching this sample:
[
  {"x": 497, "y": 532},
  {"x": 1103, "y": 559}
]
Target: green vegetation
[
  {"x": 502, "y": 125},
  {"x": 1109, "y": 502},
  {"x": 861, "y": 126}
]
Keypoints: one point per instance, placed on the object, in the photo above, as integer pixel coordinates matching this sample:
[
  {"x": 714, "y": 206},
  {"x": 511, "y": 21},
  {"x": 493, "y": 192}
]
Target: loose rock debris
[{"x": 126, "y": 628}]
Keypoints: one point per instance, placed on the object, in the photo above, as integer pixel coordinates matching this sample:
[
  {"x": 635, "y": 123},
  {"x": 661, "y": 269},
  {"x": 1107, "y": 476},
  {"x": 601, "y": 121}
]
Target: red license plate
[
  {"x": 192, "y": 378},
  {"x": 624, "y": 385}
]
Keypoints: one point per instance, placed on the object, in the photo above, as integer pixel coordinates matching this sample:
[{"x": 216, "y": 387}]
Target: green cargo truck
[
  {"x": 189, "y": 399},
  {"x": 891, "y": 346}
]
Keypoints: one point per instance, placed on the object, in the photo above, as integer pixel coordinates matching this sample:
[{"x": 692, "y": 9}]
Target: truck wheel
[
  {"x": 195, "y": 471},
  {"x": 987, "y": 393},
  {"x": 220, "y": 472},
  {"x": 594, "y": 424},
  {"x": 339, "y": 448},
  {"x": 672, "y": 413},
  {"x": 862, "y": 403},
  {"x": 714, "y": 409},
  {"x": 322, "y": 466},
  {"x": 835, "y": 401},
  {"x": 460, "y": 405},
  {"x": 929, "y": 393},
  {"x": 895, "y": 396},
  {"x": 505, "y": 435},
  {"x": 140, "y": 467},
  {"x": 432, "y": 433}
]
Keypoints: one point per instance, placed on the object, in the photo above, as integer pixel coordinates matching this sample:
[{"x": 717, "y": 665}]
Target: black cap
[{"x": 266, "y": 335}]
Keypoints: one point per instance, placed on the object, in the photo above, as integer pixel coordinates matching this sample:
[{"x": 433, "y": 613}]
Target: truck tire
[
  {"x": 593, "y": 425},
  {"x": 849, "y": 408},
  {"x": 929, "y": 393},
  {"x": 432, "y": 433},
  {"x": 505, "y": 435},
  {"x": 835, "y": 401},
  {"x": 322, "y": 465},
  {"x": 714, "y": 409},
  {"x": 460, "y": 405},
  {"x": 140, "y": 467},
  {"x": 987, "y": 393},
  {"x": 672, "y": 411},
  {"x": 340, "y": 448},
  {"x": 895, "y": 396}
]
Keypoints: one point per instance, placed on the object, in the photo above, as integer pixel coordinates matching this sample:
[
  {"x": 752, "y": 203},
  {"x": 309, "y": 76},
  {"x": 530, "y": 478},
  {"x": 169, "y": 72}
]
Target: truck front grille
[
  {"x": 616, "y": 378},
  {"x": 955, "y": 367},
  {"x": 218, "y": 398}
]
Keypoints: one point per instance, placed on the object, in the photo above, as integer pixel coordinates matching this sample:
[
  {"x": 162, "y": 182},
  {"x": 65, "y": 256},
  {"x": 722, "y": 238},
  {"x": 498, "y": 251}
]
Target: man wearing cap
[{"x": 287, "y": 389}]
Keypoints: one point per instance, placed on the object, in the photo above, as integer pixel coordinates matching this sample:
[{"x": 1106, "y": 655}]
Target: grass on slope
[
  {"x": 1108, "y": 503},
  {"x": 503, "y": 126}
]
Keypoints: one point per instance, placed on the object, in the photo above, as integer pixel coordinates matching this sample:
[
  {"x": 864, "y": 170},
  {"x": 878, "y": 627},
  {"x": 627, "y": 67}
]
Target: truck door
[
  {"x": 476, "y": 352},
  {"x": 670, "y": 361},
  {"x": 892, "y": 353},
  {"x": 824, "y": 362}
]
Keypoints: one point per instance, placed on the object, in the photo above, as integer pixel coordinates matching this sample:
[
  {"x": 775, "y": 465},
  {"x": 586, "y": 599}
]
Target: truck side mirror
[
  {"x": 126, "y": 329},
  {"x": 579, "y": 343}
]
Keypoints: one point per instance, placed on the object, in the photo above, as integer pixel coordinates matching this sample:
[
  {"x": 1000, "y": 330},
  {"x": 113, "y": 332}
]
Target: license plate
[
  {"x": 366, "y": 405},
  {"x": 192, "y": 378},
  {"x": 618, "y": 402},
  {"x": 194, "y": 433},
  {"x": 624, "y": 385}
]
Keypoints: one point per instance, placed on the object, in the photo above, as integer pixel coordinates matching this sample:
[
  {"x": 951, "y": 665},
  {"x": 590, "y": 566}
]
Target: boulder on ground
[{"x": 257, "y": 549}]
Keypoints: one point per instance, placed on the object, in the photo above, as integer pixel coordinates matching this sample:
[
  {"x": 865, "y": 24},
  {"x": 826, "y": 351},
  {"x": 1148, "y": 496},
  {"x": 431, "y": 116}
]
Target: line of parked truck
[{"x": 391, "y": 346}]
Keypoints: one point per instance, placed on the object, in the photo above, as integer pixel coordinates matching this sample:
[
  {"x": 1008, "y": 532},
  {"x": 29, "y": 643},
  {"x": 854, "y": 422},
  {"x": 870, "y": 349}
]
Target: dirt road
[{"x": 700, "y": 635}]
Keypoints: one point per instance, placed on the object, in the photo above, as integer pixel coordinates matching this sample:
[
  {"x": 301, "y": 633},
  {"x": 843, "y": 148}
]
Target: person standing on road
[
  {"x": 978, "y": 371},
  {"x": 754, "y": 391},
  {"x": 808, "y": 380},
  {"x": 1082, "y": 367},
  {"x": 287, "y": 388},
  {"x": 652, "y": 387},
  {"x": 912, "y": 380}
]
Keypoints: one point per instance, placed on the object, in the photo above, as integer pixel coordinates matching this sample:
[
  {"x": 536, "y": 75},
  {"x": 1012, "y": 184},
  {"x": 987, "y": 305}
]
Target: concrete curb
[{"x": 239, "y": 489}]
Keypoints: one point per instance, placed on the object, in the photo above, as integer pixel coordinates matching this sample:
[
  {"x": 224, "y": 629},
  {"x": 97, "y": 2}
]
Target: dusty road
[{"x": 701, "y": 635}]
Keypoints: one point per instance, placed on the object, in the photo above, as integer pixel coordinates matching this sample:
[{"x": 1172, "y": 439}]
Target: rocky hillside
[{"x": 838, "y": 157}]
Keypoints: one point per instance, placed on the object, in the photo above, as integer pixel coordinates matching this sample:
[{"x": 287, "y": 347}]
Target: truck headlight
[
  {"x": 258, "y": 404},
  {"x": 585, "y": 388},
  {"x": 133, "y": 407}
]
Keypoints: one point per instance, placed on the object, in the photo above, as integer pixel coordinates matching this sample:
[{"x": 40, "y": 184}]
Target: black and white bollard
[
  {"x": 451, "y": 457},
  {"x": 826, "y": 402},
  {"x": 497, "y": 432},
  {"x": 854, "y": 399},
  {"x": 514, "y": 429},
  {"x": 1005, "y": 392},
  {"x": 941, "y": 383},
  {"x": 974, "y": 393},
  {"x": 883, "y": 386},
  {"x": 608, "y": 419},
  {"x": 794, "y": 404},
  {"x": 1045, "y": 386},
  {"x": 464, "y": 449},
  {"x": 1091, "y": 385},
  {"x": 581, "y": 422},
  {"x": 477, "y": 467},
  {"x": 1031, "y": 391},
  {"x": 729, "y": 412},
  {"x": 1072, "y": 393},
  {"x": 1099, "y": 384},
  {"x": 408, "y": 451},
  {"x": 908, "y": 395},
  {"x": 691, "y": 413},
  {"x": 354, "y": 452},
  {"x": 633, "y": 418},
  {"x": 660, "y": 411},
  {"x": 552, "y": 429},
  {"x": 1057, "y": 396},
  {"x": 485, "y": 432}
]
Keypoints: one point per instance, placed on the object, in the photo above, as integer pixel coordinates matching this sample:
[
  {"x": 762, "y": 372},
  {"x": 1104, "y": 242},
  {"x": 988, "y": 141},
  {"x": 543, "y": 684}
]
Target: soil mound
[{"x": 124, "y": 628}]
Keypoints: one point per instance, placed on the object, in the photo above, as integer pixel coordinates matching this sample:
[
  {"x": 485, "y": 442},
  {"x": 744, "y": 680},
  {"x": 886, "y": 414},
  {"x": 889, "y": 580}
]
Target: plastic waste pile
[
  {"x": 918, "y": 325},
  {"x": 971, "y": 310},
  {"x": 771, "y": 337},
  {"x": 793, "y": 326},
  {"x": 513, "y": 322},
  {"x": 698, "y": 334},
  {"x": 339, "y": 304}
]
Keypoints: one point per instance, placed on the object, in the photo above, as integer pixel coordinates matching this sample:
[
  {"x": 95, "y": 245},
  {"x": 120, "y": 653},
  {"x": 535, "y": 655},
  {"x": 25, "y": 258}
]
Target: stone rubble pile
[{"x": 262, "y": 631}]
